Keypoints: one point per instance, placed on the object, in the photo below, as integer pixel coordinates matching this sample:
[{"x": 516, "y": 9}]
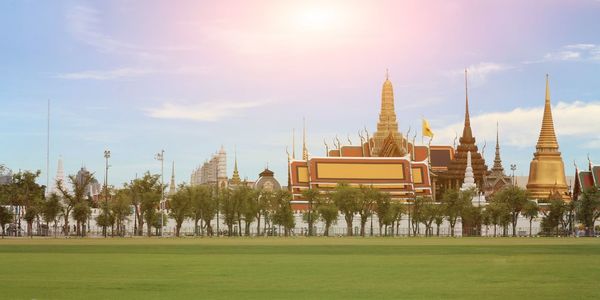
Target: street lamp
[
  {"x": 513, "y": 168},
  {"x": 106, "y": 157},
  {"x": 160, "y": 156}
]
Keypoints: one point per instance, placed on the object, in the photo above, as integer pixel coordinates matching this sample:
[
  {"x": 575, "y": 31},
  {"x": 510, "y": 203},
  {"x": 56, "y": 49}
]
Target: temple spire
[
  {"x": 235, "y": 178},
  {"x": 304, "y": 149},
  {"x": 172, "y": 187},
  {"x": 467, "y": 136},
  {"x": 547, "y": 140},
  {"x": 293, "y": 143},
  {"x": 497, "y": 168}
]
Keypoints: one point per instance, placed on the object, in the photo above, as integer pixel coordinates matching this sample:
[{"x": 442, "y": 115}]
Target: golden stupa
[{"x": 547, "y": 170}]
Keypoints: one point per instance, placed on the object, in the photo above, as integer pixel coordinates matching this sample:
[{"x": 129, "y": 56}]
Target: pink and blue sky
[{"x": 189, "y": 76}]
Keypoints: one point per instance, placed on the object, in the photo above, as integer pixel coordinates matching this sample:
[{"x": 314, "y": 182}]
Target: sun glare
[{"x": 317, "y": 18}]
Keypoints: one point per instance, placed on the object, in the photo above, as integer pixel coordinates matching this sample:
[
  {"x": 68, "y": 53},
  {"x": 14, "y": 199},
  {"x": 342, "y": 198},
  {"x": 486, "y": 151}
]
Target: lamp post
[
  {"x": 160, "y": 156},
  {"x": 513, "y": 168},
  {"x": 106, "y": 157}
]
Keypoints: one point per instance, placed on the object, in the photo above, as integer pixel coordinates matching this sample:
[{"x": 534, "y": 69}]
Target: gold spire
[
  {"x": 547, "y": 170},
  {"x": 547, "y": 140},
  {"x": 235, "y": 178},
  {"x": 304, "y": 149},
  {"x": 387, "y": 123}
]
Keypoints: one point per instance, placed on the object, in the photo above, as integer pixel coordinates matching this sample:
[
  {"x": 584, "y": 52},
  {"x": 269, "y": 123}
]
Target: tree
[
  {"x": 311, "y": 196},
  {"x": 146, "y": 194},
  {"x": 553, "y": 216},
  {"x": 81, "y": 212},
  {"x": 105, "y": 218},
  {"x": 345, "y": 198},
  {"x": 439, "y": 218},
  {"x": 74, "y": 199},
  {"x": 228, "y": 209},
  {"x": 366, "y": 199},
  {"x": 250, "y": 207},
  {"x": 210, "y": 208},
  {"x": 265, "y": 204},
  {"x": 51, "y": 210},
  {"x": 200, "y": 198},
  {"x": 180, "y": 206},
  {"x": 454, "y": 202},
  {"x": 429, "y": 212},
  {"x": 329, "y": 213},
  {"x": 498, "y": 213},
  {"x": 383, "y": 205},
  {"x": 6, "y": 217},
  {"x": 588, "y": 209},
  {"x": 530, "y": 211},
  {"x": 471, "y": 220},
  {"x": 284, "y": 216},
  {"x": 397, "y": 209},
  {"x": 515, "y": 198},
  {"x": 25, "y": 192},
  {"x": 120, "y": 209}
]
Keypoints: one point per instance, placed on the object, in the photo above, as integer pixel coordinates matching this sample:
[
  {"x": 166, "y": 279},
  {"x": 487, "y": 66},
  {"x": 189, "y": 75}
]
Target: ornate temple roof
[{"x": 547, "y": 139}]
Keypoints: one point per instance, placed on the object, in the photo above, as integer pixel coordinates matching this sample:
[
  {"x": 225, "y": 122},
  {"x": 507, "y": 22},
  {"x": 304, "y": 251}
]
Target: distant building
[
  {"x": 213, "y": 171},
  {"x": 586, "y": 180},
  {"x": 267, "y": 182}
]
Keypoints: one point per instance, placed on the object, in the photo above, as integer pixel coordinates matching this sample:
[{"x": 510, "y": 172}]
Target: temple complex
[
  {"x": 386, "y": 161},
  {"x": 547, "y": 170}
]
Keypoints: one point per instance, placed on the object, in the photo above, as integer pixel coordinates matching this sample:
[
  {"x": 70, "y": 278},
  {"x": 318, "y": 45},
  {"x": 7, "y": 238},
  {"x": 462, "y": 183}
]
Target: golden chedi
[{"x": 547, "y": 170}]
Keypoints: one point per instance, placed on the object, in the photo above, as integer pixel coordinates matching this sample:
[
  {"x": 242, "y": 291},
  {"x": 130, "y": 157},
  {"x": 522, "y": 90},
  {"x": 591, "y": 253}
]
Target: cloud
[
  {"x": 575, "y": 52},
  {"x": 520, "y": 127},
  {"x": 105, "y": 74},
  {"x": 478, "y": 73},
  {"x": 207, "y": 112}
]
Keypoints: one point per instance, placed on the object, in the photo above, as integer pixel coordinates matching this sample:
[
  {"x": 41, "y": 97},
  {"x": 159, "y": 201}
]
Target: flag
[{"x": 426, "y": 129}]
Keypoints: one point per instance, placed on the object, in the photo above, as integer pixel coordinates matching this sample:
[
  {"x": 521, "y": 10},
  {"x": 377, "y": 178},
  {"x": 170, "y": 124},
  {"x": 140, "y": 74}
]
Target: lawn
[{"x": 300, "y": 268}]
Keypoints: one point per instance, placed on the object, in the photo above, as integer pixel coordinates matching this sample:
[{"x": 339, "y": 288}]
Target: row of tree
[{"x": 242, "y": 206}]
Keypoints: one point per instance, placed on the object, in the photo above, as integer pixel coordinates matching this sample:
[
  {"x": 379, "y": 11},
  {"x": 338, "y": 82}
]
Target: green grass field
[{"x": 300, "y": 268}]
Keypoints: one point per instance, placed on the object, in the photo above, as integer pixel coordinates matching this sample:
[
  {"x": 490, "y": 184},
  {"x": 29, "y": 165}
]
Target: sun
[{"x": 317, "y": 18}]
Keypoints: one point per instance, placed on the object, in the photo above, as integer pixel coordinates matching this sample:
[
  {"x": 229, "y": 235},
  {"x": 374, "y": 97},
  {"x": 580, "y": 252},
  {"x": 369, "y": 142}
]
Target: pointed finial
[
  {"x": 387, "y": 74},
  {"x": 304, "y": 149},
  {"x": 589, "y": 162},
  {"x": 547, "y": 88},
  {"x": 467, "y": 118},
  {"x": 293, "y": 143}
]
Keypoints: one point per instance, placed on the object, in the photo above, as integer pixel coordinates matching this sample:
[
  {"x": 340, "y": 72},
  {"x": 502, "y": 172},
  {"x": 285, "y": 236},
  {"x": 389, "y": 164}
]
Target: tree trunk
[
  {"x": 530, "y": 221},
  {"x": 437, "y": 231},
  {"x": 247, "y": 230},
  {"x": 177, "y": 229},
  {"x": 258, "y": 225},
  {"x": 514, "y": 224},
  {"x": 195, "y": 227},
  {"x": 327, "y": 224},
  {"x": 363, "y": 223},
  {"x": 149, "y": 229},
  {"x": 66, "y": 225},
  {"x": 348, "y": 227}
]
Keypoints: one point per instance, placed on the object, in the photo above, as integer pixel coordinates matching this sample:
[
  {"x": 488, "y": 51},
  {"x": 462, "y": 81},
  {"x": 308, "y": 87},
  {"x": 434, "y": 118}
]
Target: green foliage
[
  {"x": 146, "y": 193},
  {"x": 6, "y": 217},
  {"x": 588, "y": 209},
  {"x": 455, "y": 202},
  {"x": 180, "y": 206},
  {"x": 283, "y": 215},
  {"x": 553, "y": 216},
  {"x": 312, "y": 197},
  {"x": 329, "y": 213},
  {"x": 203, "y": 208},
  {"x": 345, "y": 198},
  {"x": 120, "y": 209},
  {"x": 530, "y": 211},
  {"x": 515, "y": 199}
]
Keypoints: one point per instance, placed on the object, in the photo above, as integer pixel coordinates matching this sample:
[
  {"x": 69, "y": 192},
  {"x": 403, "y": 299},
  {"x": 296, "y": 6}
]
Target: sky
[{"x": 136, "y": 77}]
